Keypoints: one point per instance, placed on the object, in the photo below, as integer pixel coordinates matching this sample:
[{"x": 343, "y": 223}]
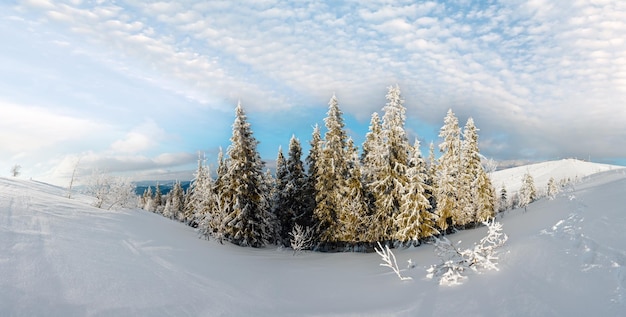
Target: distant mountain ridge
[{"x": 164, "y": 186}]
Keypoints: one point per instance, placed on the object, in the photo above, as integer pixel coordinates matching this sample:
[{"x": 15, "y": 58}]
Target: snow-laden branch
[
  {"x": 301, "y": 238},
  {"x": 389, "y": 260},
  {"x": 454, "y": 262}
]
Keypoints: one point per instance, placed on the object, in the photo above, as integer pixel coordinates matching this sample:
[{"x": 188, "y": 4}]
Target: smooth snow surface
[{"x": 61, "y": 257}]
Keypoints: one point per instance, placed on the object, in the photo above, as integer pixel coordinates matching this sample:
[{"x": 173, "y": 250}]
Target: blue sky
[{"x": 139, "y": 87}]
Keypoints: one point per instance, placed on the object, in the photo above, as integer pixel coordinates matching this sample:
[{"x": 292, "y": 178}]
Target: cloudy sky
[{"x": 140, "y": 87}]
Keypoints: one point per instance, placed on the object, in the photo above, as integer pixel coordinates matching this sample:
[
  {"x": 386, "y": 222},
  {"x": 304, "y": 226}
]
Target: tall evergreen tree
[
  {"x": 247, "y": 218},
  {"x": 431, "y": 176},
  {"x": 352, "y": 215},
  {"x": 331, "y": 174},
  {"x": 158, "y": 199},
  {"x": 476, "y": 194},
  {"x": 448, "y": 172},
  {"x": 553, "y": 188},
  {"x": 203, "y": 201},
  {"x": 195, "y": 196},
  {"x": 390, "y": 178},
  {"x": 280, "y": 209},
  {"x": 528, "y": 191},
  {"x": 310, "y": 190},
  {"x": 371, "y": 156},
  {"x": 219, "y": 203},
  {"x": 414, "y": 220},
  {"x": 295, "y": 198}
]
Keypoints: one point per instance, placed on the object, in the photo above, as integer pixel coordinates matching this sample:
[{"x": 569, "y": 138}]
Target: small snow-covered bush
[
  {"x": 455, "y": 262},
  {"x": 301, "y": 238},
  {"x": 389, "y": 260},
  {"x": 111, "y": 192}
]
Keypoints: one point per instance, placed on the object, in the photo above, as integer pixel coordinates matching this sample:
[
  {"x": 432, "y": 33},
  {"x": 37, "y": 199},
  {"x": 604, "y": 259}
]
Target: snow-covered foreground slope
[
  {"x": 565, "y": 169},
  {"x": 61, "y": 257}
]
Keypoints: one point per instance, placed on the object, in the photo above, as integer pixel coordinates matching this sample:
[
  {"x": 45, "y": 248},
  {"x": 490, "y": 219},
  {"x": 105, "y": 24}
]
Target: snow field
[{"x": 63, "y": 257}]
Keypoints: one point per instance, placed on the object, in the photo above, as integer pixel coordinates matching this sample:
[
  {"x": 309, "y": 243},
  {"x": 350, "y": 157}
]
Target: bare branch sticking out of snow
[
  {"x": 389, "y": 260},
  {"x": 455, "y": 262}
]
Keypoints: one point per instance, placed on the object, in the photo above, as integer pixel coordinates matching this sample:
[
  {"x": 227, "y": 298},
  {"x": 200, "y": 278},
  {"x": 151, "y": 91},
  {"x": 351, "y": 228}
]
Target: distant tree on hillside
[
  {"x": 553, "y": 188},
  {"x": 503, "y": 202},
  {"x": 15, "y": 170},
  {"x": 528, "y": 192},
  {"x": 111, "y": 192}
]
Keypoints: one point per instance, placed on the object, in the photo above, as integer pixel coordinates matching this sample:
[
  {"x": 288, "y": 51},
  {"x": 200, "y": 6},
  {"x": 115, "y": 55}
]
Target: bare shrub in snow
[
  {"x": 455, "y": 262},
  {"x": 16, "y": 170},
  {"x": 389, "y": 260},
  {"x": 301, "y": 238},
  {"x": 111, "y": 192}
]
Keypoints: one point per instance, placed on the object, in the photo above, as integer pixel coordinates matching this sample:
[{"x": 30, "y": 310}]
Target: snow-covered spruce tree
[
  {"x": 447, "y": 183},
  {"x": 207, "y": 215},
  {"x": 282, "y": 212},
  {"x": 389, "y": 179},
  {"x": 476, "y": 194},
  {"x": 528, "y": 192},
  {"x": 295, "y": 198},
  {"x": 310, "y": 191},
  {"x": 246, "y": 218},
  {"x": 553, "y": 188},
  {"x": 157, "y": 201},
  {"x": 414, "y": 220},
  {"x": 167, "y": 207},
  {"x": 485, "y": 198},
  {"x": 372, "y": 160},
  {"x": 174, "y": 203},
  {"x": 269, "y": 189},
  {"x": 146, "y": 199},
  {"x": 431, "y": 176},
  {"x": 195, "y": 194},
  {"x": 503, "y": 201},
  {"x": 353, "y": 217},
  {"x": 371, "y": 156},
  {"x": 331, "y": 175},
  {"x": 219, "y": 203},
  {"x": 178, "y": 201}
]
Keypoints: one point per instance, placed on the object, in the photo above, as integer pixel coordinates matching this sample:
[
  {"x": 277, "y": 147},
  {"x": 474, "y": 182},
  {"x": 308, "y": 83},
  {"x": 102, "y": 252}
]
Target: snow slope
[
  {"x": 565, "y": 169},
  {"x": 61, "y": 257}
]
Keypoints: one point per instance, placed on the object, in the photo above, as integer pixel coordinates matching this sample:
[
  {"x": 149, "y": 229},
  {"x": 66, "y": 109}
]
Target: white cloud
[
  {"x": 28, "y": 128},
  {"x": 142, "y": 138},
  {"x": 520, "y": 66}
]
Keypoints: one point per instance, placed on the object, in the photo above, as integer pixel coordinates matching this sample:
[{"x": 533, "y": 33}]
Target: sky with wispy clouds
[{"x": 139, "y": 87}]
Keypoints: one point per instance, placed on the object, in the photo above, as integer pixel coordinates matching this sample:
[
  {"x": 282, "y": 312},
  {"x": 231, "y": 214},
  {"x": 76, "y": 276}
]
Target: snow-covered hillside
[
  {"x": 61, "y": 257},
  {"x": 565, "y": 169}
]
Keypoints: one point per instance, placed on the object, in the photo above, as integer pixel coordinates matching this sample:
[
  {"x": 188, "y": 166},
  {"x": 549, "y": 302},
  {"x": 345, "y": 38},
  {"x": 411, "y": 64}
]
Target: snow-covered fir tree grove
[{"x": 345, "y": 199}]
